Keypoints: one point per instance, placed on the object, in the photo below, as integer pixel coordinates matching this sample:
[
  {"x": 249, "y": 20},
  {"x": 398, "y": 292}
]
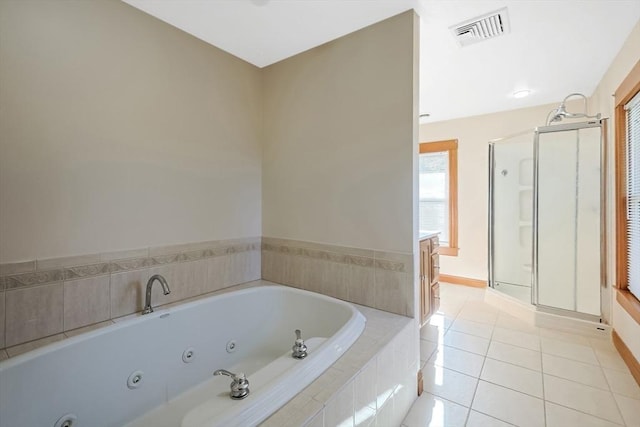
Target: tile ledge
[{"x": 18, "y": 349}]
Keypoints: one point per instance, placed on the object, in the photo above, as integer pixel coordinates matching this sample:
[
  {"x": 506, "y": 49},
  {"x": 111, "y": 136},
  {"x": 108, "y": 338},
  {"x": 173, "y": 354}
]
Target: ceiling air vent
[{"x": 481, "y": 28}]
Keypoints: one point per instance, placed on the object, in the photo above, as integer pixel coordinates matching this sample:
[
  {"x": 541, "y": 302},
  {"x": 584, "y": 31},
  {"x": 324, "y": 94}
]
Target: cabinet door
[
  {"x": 435, "y": 297},
  {"x": 435, "y": 268}
]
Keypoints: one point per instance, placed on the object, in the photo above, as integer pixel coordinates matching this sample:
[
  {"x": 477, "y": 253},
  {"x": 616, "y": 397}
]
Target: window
[
  {"x": 632, "y": 112},
  {"x": 627, "y": 119},
  {"x": 438, "y": 192}
]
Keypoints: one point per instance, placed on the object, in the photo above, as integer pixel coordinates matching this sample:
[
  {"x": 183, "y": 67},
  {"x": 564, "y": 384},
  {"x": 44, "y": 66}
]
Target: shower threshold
[{"x": 548, "y": 317}]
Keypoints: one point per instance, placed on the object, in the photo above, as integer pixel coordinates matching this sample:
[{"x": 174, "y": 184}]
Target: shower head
[{"x": 561, "y": 112}]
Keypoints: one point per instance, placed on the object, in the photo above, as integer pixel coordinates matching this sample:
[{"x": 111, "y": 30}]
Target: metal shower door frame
[{"x": 490, "y": 234}]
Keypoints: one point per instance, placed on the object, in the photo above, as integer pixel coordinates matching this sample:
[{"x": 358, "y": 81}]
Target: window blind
[
  {"x": 433, "y": 205},
  {"x": 633, "y": 194}
]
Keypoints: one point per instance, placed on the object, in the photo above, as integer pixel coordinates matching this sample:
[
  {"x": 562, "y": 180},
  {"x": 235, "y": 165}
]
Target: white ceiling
[{"x": 554, "y": 47}]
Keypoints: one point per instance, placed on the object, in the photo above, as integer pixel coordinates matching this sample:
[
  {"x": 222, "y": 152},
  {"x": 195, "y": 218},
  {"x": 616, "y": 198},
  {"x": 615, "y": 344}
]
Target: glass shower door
[
  {"x": 512, "y": 215},
  {"x": 568, "y": 219}
]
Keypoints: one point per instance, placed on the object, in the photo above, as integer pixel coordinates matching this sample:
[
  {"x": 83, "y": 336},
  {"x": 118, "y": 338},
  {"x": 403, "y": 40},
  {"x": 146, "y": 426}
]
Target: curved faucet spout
[{"x": 165, "y": 289}]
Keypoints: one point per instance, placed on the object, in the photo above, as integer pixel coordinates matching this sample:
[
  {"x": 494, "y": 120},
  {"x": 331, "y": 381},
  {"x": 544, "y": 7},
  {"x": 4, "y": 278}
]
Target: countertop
[{"x": 427, "y": 234}]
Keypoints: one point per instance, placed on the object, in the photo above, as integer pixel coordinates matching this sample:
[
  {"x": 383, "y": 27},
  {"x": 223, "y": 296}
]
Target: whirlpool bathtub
[{"x": 156, "y": 370}]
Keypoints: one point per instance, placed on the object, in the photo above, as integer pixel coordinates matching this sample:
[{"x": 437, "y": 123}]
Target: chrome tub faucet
[
  {"x": 299, "y": 349},
  {"x": 239, "y": 385},
  {"x": 165, "y": 288}
]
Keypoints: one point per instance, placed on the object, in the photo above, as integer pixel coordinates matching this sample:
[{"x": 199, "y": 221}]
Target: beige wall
[
  {"x": 339, "y": 140},
  {"x": 119, "y": 131},
  {"x": 602, "y": 100},
  {"x": 473, "y": 135}
]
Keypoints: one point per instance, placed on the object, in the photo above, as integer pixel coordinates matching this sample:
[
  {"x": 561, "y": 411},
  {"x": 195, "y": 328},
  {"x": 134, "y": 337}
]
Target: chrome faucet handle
[
  {"x": 239, "y": 385},
  {"x": 299, "y": 349}
]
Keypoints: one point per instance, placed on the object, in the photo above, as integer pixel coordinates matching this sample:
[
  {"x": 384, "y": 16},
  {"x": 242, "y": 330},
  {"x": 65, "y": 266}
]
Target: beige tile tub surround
[
  {"x": 86, "y": 301},
  {"x": 374, "y": 381},
  {"x": 382, "y": 280},
  {"x": 47, "y": 297},
  {"x": 33, "y": 313},
  {"x": 2, "y": 318}
]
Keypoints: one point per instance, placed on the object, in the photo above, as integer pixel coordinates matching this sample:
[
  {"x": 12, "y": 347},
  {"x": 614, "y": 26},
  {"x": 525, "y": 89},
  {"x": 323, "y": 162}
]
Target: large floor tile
[
  {"x": 517, "y": 338},
  {"x": 560, "y": 416},
  {"x": 573, "y": 370},
  {"x": 441, "y": 321},
  {"x": 448, "y": 384},
  {"x": 508, "y": 321},
  {"x": 466, "y": 342},
  {"x": 515, "y": 355},
  {"x": 470, "y": 327},
  {"x": 458, "y": 360},
  {"x": 622, "y": 383},
  {"x": 568, "y": 350},
  {"x": 630, "y": 409},
  {"x": 467, "y": 292},
  {"x": 478, "y": 315},
  {"x": 433, "y": 411},
  {"x": 481, "y": 306},
  {"x": 591, "y": 400},
  {"x": 514, "y": 377},
  {"x": 435, "y": 328},
  {"x": 450, "y": 307},
  {"x": 476, "y": 419},
  {"x": 509, "y": 405},
  {"x": 611, "y": 359},
  {"x": 602, "y": 344},
  {"x": 583, "y": 379},
  {"x": 564, "y": 336}
]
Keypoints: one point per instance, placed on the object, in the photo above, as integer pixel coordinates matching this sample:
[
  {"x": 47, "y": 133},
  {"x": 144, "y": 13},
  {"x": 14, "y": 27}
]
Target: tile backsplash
[
  {"x": 46, "y": 298},
  {"x": 42, "y": 301},
  {"x": 382, "y": 280}
]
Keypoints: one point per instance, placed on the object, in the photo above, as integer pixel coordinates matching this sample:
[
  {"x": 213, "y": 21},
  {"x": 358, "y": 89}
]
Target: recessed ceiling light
[{"x": 521, "y": 93}]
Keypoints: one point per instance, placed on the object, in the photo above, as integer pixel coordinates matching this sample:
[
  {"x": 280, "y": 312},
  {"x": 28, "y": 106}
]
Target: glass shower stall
[{"x": 547, "y": 218}]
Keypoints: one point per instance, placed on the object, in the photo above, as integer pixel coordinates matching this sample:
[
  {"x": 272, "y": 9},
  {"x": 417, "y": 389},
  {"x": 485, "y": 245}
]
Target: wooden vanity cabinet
[{"x": 429, "y": 277}]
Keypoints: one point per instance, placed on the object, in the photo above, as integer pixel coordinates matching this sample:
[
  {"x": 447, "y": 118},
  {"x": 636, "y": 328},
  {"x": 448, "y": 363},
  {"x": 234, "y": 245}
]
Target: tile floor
[{"x": 485, "y": 368}]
